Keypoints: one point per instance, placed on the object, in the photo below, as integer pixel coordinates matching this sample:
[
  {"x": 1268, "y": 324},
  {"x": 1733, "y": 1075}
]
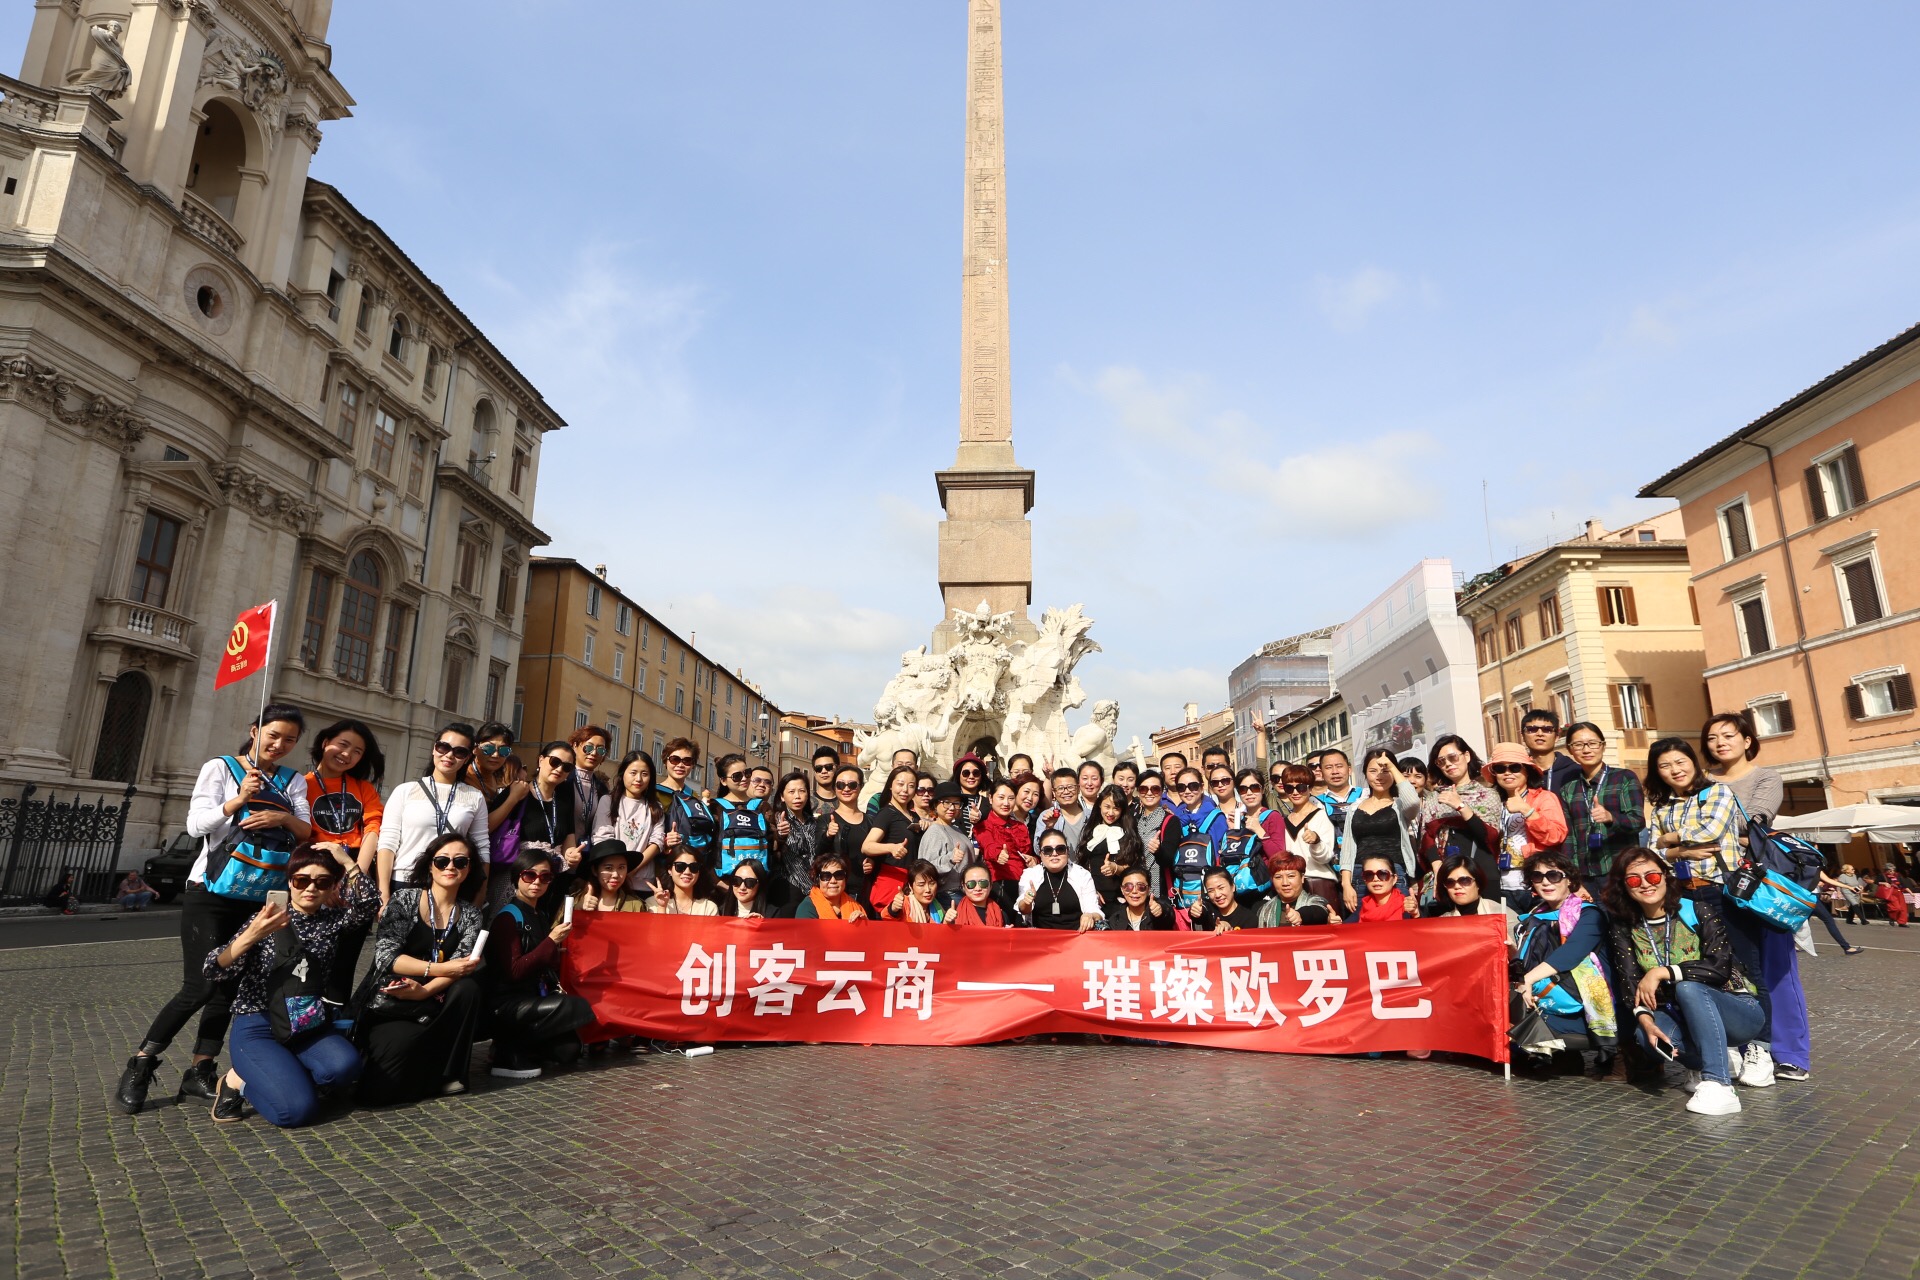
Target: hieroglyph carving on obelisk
[{"x": 984, "y": 406}]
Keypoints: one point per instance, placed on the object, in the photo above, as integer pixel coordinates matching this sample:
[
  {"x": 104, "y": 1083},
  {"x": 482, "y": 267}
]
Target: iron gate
[{"x": 42, "y": 839}]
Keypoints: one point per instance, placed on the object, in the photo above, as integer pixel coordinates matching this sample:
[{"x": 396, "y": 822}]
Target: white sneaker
[
  {"x": 1735, "y": 1065},
  {"x": 1714, "y": 1099},
  {"x": 1758, "y": 1071}
]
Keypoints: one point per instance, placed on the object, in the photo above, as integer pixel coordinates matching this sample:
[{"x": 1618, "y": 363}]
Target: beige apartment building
[
  {"x": 593, "y": 655},
  {"x": 1602, "y": 628},
  {"x": 223, "y": 384},
  {"x": 1803, "y": 533}
]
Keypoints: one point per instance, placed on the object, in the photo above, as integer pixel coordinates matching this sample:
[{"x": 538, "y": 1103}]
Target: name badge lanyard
[{"x": 442, "y": 816}]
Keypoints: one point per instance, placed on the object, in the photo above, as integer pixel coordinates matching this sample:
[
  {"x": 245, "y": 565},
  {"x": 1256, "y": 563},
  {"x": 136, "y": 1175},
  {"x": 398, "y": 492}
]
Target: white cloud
[{"x": 1348, "y": 301}]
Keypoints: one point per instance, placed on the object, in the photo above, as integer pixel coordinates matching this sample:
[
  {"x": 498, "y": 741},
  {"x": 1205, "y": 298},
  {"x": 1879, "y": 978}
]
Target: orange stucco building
[{"x": 1803, "y": 539}]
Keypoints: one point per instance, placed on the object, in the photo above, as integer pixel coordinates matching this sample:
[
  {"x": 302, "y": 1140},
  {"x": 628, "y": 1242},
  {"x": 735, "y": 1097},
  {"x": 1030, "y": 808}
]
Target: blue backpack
[
  {"x": 1193, "y": 857},
  {"x": 743, "y": 833},
  {"x": 250, "y": 864}
]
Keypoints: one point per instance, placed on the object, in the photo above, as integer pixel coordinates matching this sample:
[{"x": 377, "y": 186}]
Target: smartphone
[
  {"x": 1660, "y": 1047},
  {"x": 277, "y": 898}
]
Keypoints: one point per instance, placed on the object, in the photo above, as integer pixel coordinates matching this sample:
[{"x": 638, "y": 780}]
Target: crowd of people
[{"x": 468, "y": 878}]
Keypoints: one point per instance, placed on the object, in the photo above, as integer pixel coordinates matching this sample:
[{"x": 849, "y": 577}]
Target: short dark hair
[
  {"x": 1335, "y": 751},
  {"x": 1094, "y": 765},
  {"x": 1286, "y": 862},
  {"x": 921, "y": 869},
  {"x": 683, "y": 744},
  {"x": 727, "y": 762},
  {"x": 586, "y": 731},
  {"x": 1537, "y": 714},
  {"x": 530, "y": 859},
  {"x": 1065, "y": 771},
  {"x": 1409, "y": 764},
  {"x": 1129, "y": 766},
  {"x": 1554, "y": 859},
  {"x": 1019, "y": 755},
  {"x": 1165, "y": 756},
  {"x": 494, "y": 729},
  {"x": 423, "y": 870},
  {"x": 460, "y": 727},
  {"x": 824, "y": 752},
  {"x": 560, "y": 744},
  {"x": 372, "y": 766},
  {"x": 1460, "y": 862},
  {"x": 822, "y": 861},
  {"x": 310, "y": 855},
  {"x": 1211, "y": 752}
]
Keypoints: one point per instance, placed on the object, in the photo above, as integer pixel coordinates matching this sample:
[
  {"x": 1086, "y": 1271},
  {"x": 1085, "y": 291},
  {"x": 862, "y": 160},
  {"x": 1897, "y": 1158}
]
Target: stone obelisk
[{"x": 986, "y": 544}]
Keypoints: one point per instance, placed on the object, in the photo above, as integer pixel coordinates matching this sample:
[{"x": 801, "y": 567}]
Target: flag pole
[{"x": 266, "y": 678}]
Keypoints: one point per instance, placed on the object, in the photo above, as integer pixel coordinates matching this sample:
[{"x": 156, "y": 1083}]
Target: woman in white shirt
[
  {"x": 250, "y": 797},
  {"x": 421, "y": 810},
  {"x": 631, "y": 814}
]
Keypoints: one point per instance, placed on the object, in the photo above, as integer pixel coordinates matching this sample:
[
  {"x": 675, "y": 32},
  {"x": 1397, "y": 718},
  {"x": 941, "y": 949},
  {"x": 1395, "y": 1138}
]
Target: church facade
[{"x": 220, "y": 384}]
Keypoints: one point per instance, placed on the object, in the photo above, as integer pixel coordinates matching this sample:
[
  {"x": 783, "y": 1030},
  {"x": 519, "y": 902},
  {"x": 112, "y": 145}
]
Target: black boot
[
  {"x": 228, "y": 1105},
  {"x": 197, "y": 1081},
  {"x": 134, "y": 1083}
]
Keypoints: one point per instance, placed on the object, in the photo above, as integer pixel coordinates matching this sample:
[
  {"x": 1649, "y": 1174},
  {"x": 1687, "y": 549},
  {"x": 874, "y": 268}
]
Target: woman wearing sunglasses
[
  {"x": 689, "y": 889},
  {"x": 502, "y": 781},
  {"x": 829, "y": 898},
  {"x": 1057, "y": 894},
  {"x": 1557, "y": 968},
  {"x": 592, "y": 745},
  {"x": 1461, "y": 814},
  {"x": 284, "y": 1046},
  {"x": 420, "y": 1003},
  {"x": 1673, "y": 964},
  {"x": 535, "y": 1023},
  {"x": 1465, "y": 891},
  {"x": 421, "y": 811},
  {"x": 1136, "y": 907},
  {"x": 1309, "y": 831},
  {"x": 1531, "y": 818},
  {"x": 975, "y": 906},
  {"x": 745, "y": 893},
  {"x": 1382, "y": 902},
  {"x": 919, "y": 902}
]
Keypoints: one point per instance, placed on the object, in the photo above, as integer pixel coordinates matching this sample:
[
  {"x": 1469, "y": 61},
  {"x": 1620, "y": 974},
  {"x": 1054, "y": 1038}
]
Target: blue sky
[{"x": 1288, "y": 282}]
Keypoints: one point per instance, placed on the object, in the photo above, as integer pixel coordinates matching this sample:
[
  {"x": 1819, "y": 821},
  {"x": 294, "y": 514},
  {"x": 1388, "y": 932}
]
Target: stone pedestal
[{"x": 986, "y": 544}]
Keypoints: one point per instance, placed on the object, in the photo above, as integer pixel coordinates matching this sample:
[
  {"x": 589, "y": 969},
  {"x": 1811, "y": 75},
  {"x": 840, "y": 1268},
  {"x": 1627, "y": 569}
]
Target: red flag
[{"x": 247, "y": 646}]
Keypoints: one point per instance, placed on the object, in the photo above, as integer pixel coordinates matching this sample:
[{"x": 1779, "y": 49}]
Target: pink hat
[{"x": 1510, "y": 753}]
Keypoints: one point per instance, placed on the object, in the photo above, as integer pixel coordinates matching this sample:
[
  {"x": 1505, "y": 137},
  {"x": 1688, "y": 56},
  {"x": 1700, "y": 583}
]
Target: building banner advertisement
[{"x": 1430, "y": 984}]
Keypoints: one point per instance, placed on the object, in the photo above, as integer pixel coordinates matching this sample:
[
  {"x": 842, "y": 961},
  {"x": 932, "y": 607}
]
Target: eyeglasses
[
  {"x": 1376, "y": 875},
  {"x": 1547, "y": 877},
  {"x": 1537, "y": 728},
  {"x": 685, "y": 761},
  {"x": 555, "y": 762},
  {"x": 736, "y": 777},
  {"x": 592, "y": 749},
  {"x": 304, "y": 883},
  {"x": 1585, "y": 744},
  {"x": 1252, "y": 789},
  {"x": 494, "y": 750},
  {"x": 744, "y": 882},
  {"x": 1462, "y": 882},
  {"x": 846, "y": 786},
  {"x": 1189, "y": 786},
  {"x": 451, "y": 862},
  {"x": 1650, "y": 879},
  {"x": 686, "y": 867},
  {"x": 825, "y": 876},
  {"x": 453, "y": 749},
  {"x": 976, "y": 884},
  {"x": 535, "y": 877}
]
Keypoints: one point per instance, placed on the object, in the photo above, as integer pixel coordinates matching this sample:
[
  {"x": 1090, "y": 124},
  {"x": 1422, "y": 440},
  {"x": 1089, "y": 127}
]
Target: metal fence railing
[{"x": 43, "y": 838}]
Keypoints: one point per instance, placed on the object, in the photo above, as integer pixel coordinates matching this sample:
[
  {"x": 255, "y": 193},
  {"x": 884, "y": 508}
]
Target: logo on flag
[{"x": 247, "y": 646}]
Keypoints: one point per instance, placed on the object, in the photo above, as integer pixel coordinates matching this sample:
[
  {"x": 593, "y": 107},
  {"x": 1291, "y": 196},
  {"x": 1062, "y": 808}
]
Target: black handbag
[{"x": 1530, "y": 1032}]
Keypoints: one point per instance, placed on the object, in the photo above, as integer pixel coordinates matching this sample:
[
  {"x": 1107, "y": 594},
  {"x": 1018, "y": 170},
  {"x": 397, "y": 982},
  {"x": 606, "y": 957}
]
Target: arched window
[
  {"x": 219, "y": 153},
  {"x": 359, "y": 606},
  {"x": 397, "y": 338},
  {"x": 123, "y": 727},
  {"x": 483, "y": 429}
]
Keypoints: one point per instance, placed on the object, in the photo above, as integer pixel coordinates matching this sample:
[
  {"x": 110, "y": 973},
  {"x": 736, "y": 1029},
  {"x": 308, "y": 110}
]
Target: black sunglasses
[
  {"x": 1053, "y": 848},
  {"x": 744, "y": 882},
  {"x": 453, "y": 749},
  {"x": 686, "y": 866},
  {"x": 976, "y": 884},
  {"x": 557, "y": 762},
  {"x": 446, "y": 862},
  {"x": 831, "y": 875}
]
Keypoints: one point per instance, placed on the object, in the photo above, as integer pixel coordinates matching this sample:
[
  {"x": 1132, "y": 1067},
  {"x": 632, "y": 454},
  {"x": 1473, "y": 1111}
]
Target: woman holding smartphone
[
  {"x": 343, "y": 791},
  {"x": 420, "y": 1001}
]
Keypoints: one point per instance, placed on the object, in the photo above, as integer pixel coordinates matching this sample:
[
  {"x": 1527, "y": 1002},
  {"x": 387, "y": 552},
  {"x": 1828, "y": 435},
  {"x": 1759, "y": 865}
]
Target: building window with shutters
[
  {"x": 623, "y": 620},
  {"x": 313, "y": 632},
  {"x": 1885, "y": 692},
  {"x": 397, "y": 618},
  {"x": 1861, "y": 598},
  {"x": 1496, "y": 726},
  {"x": 386, "y": 434},
  {"x": 580, "y": 717},
  {"x": 496, "y": 680},
  {"x": 1563, "y": 705},
  {"x": 1772, "y": 716},
  {"x": 454, "y": 689},
  {"x": 1835, "y": 484},
  {"x": 466, "y": 565},
  {"x": 620, "y": 664},
  {"x": 1752, "y": 622},
  {"x": 1516, "y": 635},
  {"x": 593, "y": 600},
  {"x": 1617, "y": 607},
  {"x": 1736, "y": 530},
  {"x": 1633, "y": 706},
  {"x": 416, "y": 466},
  {"x": 1549, "y": 616},
  {"x": 509, "y": 592},
  {"x": 586, "y": 650},
  {"x": 346, "y": 417},
  {"x": 359, "y": 605},
  {"x": 1485, "y": 642},
  {"x": 517, "y": 477}
]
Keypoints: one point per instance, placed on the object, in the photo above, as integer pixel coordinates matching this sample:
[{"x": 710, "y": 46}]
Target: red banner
[
  {"x": 1430, "y": 984},
  {"x": 247, "y": 646}
]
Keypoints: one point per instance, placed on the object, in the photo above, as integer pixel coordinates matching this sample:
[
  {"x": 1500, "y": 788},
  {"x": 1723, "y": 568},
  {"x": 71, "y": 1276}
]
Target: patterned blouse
[
  {"x": 319, "y": 935},
  {"x": 1708, "y": 821},
  {"x": 390, "y": 942}
]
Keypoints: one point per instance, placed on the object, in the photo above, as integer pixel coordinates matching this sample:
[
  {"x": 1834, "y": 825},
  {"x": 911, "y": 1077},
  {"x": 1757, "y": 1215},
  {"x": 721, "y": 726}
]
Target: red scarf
[
  {"x": 964, "y": 914},
  {"x": 1391, "y": 907}
]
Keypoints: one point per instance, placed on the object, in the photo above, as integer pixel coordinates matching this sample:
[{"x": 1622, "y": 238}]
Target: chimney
[
  {"x": 600, "y": 571},
  {"x": 1595, "y": 531},
  {"x": 1192, "y": 710}
]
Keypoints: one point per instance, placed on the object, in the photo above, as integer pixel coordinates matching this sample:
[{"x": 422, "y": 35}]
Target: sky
[{"x": 1289, "y": 282}]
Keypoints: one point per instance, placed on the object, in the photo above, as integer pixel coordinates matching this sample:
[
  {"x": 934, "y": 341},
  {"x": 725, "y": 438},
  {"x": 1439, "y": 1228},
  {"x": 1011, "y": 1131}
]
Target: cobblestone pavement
[{"x": 1043, "y": 1160}]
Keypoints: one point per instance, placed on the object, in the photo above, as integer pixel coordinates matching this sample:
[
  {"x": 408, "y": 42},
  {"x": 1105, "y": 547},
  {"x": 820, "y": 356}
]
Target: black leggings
[
  {"x": 1826, "y": 918},
  {"x": 414, "y": 1048},
  {"x": 207, "y": 920},
  {"x": 543, "y": 1026}
]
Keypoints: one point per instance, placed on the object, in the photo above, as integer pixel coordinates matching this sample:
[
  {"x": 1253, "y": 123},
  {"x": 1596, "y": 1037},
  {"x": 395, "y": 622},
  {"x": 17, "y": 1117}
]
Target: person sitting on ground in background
[
  {"x": 1138, "y": 908},
  {"x": 829, "y": 899},
  {"x": 976, "y": 906},
  {"x": 134, "y": 894},
  {"x": 1056, "y": 894},
  {"x": 285, "y": 1049},
  {"x": 419, "y": 1005},
  {"x": 535, "y": 1023},
  {"x": 1219, "y": 910},
  {"x": 1292, "y": 904},
  {"x": 1673, "y": 966}
]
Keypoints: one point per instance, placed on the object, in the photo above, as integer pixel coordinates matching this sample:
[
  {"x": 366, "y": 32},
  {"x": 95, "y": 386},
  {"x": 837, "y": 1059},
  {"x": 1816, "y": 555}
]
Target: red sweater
[{"x": 996, "y": 835}]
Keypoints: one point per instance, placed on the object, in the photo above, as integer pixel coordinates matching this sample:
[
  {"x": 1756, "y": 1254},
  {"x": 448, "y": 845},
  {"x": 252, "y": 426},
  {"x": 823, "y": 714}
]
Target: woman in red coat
[
  {"x": 1006, "y": 847},
  {"x": 1893, "y": 895}
]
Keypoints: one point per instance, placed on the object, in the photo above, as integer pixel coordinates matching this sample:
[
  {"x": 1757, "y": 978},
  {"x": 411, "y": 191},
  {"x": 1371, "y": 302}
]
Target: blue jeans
[
  {"x": 282, "y": 1080},
  {"x": 1709, "y": 1020},
  {"x": 136, "y": 901}
]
